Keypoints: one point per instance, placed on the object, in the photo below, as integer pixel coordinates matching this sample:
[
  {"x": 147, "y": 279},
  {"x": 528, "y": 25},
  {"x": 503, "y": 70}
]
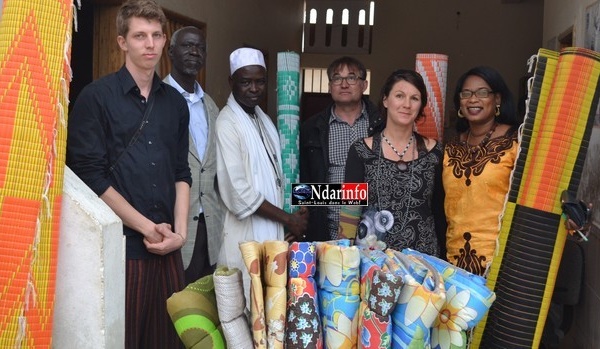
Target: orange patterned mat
[{"x": 35, "y": 38}]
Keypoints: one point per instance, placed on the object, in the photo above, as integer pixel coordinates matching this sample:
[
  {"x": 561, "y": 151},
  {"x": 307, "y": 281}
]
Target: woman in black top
[{"x": 403, "y": 170}]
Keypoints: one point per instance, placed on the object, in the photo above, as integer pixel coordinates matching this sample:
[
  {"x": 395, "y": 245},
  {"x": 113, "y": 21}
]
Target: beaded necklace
[
  {"x": 485, "y": 139},
  {"x": 401, "y": 164}
]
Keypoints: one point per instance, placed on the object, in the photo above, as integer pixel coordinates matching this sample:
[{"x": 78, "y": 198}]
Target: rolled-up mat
[
  {"x": 339, "y": 292},
  {"x": 467, "y": 301},
  {"x": 288, "y": 120},
  {"x": 349, "y": 220},
  {"x": 553, "y": 149},
  {"x": 433, "y": 68},
  {"x": 420, "y": 301},
  {"x": 303, "y": 329},
  {"x": 34, "y": 87},
  {"x": 231, "y": 305},
  {"x": 252, "y": 256},
  {"x": 193, "y": 311},
  {"x": 275, "y": 277},
  {"x": 379, "y": 292}
]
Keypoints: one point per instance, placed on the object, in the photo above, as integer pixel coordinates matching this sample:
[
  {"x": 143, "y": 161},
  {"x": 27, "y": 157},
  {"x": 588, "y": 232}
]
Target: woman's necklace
[
  {"x": 401, "y": 164},
  {"x": 485, "y": 139}
]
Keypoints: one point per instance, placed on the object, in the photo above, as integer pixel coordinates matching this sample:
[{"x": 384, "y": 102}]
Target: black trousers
[{"x": 200, "y": 263}]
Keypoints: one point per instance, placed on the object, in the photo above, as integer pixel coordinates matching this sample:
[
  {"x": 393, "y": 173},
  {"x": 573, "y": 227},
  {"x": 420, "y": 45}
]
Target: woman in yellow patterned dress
[{"x": 477, "y": 167}]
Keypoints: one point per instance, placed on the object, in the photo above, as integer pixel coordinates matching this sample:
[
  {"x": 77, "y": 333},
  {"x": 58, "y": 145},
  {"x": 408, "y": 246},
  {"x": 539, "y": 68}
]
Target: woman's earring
[
  {"x": 460, "y": 115},
  {"x": 497, "y": 109}
]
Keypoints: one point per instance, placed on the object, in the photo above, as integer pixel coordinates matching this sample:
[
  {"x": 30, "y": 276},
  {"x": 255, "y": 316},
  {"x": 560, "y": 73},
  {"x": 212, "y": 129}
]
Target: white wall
[
  {"x": 89, "y": 310},
  {"x": 561, "y": 15}
]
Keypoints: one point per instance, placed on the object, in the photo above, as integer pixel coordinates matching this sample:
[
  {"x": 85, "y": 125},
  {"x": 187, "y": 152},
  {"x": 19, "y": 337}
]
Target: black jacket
[{"x": 314, "y": 160}]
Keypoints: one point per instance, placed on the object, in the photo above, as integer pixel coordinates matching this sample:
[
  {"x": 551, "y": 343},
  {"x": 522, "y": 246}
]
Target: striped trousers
[{"x": 149, "y": 283}]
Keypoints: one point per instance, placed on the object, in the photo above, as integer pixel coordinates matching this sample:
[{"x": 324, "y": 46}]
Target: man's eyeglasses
[
  {"x": 481, "y": 93},
  {"x": 351, "y": 79}
]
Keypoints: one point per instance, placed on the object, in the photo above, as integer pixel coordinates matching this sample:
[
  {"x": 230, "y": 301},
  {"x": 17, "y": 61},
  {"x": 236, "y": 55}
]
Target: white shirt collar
[{"x": 198, "y": 91}]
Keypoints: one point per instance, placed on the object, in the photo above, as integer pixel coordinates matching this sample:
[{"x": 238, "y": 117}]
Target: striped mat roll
[
  {"x": 434, "y": 69},
  {"x": 532, "y": 236},
  {"x": 193, "y": 311},
  {"x": 34, "y": 83},
  {"x": 288, "y": 119}
]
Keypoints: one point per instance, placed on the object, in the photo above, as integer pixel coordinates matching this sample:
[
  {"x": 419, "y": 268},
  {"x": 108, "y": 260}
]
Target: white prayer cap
[{"x": 245, "y": 56}]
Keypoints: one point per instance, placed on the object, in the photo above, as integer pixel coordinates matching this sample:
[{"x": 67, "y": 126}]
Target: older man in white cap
[{"x": 249, "y": 169}]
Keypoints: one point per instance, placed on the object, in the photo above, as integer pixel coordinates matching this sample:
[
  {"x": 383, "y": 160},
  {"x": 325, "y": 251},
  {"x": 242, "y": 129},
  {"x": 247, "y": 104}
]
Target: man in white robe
[{"x": 249, "y": 169}]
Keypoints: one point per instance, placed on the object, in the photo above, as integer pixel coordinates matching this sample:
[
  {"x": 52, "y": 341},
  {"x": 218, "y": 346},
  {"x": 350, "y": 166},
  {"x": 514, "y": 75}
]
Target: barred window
[{"x": 332, "y": 26}]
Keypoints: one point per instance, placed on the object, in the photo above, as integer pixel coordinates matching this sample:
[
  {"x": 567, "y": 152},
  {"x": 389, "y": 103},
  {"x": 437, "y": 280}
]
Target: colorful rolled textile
[
  {"x": 467, "y": 301},
  {"x": 34, "y": 86},
  {"x": 339, "y": 292},
  {"x": 275, "y": 277},
  {"x": 419, "y": 303},
  {"x": 288, "y": 120},
  {"x": 193, "y": 311},
  {"x": 433, "y": 68},
  {"x": 252, "y": 256},
  {"x": 303, "y": 328},
  {"x": 532, "y": 236},
  {"x": 349, "y": 219},
  {"x": 379, "y": 292},
  {"x": 231, "y": 305}
]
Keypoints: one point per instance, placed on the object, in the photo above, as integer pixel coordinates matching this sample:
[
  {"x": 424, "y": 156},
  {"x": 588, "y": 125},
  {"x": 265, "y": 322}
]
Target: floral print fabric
[
  {"x": 339, "y": 288},
  {"x": 379, "y": 291},
  {"x": 467, "y": 301},
  {"x": 303, "y": 318},
  {"x": 420, "y": 301},
  {"x": 275, "y": 277}
]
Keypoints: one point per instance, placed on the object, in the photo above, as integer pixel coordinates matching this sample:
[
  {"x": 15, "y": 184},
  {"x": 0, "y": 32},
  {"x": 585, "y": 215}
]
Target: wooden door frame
[{"x": 108, "y": 57}]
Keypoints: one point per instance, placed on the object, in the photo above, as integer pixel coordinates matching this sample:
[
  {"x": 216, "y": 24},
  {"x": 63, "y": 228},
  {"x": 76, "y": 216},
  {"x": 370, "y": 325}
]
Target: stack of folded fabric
[
  {"x": 467, "y": 301},
  {"x": 231, "y": 303},
  {"x": 422, "y": 297},
  {"x": 379, "y": 292},
  {"x": 339, "y": 292},
  {"x": 303, "y": 329},
  {"x": 194, "y": 314}
]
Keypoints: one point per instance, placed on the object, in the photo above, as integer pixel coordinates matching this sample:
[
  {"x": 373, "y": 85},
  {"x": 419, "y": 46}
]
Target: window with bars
[{"x": 334, "y": 26}]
